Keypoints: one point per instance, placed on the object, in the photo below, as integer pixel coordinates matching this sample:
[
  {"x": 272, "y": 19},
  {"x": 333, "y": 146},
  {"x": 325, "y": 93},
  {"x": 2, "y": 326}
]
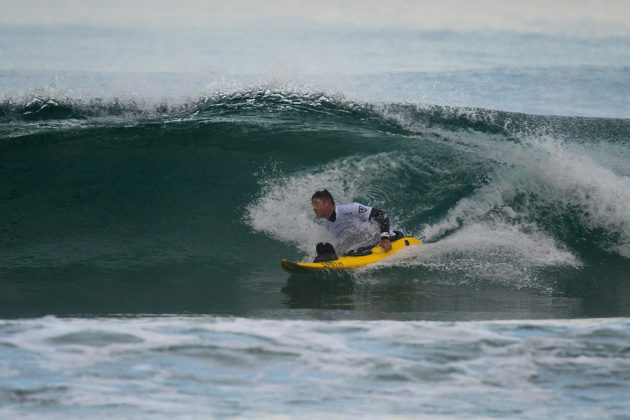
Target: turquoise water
[{"x": 153, "y": 178}]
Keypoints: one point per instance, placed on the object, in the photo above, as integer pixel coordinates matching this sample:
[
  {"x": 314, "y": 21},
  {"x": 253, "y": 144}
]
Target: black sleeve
[{"x": 381, "y": 218}]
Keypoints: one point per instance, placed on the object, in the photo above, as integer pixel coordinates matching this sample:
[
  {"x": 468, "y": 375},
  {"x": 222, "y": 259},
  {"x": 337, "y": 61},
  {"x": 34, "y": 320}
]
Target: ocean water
[{"x": 156, "y": 163}]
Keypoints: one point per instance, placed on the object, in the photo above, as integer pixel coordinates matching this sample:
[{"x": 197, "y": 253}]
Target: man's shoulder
[{"x": 353, "y": 208}]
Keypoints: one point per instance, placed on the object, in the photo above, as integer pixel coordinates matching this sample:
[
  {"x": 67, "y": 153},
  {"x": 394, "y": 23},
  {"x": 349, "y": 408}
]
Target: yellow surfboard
[{"x": 350, "y": 262}]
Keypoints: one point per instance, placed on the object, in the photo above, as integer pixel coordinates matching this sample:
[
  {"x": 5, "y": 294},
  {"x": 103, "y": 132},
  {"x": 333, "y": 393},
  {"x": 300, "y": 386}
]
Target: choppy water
[
  {"x": 146, "y": 200},
  {"x": 221, "y": 367}
]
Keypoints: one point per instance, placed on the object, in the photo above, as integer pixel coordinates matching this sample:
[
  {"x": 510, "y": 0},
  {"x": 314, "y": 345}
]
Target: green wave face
[{"x": 211, "y": 194}]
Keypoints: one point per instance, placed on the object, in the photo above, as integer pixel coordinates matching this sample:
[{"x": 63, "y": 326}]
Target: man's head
[{"x": 323, "y": 204}]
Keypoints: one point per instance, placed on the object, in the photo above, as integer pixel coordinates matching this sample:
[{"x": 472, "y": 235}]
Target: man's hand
[{"x": 385, "y": 244}]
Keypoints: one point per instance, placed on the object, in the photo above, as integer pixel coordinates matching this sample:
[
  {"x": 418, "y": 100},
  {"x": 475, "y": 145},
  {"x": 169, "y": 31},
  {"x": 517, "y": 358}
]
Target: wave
[
  {"x": 273, "y": 102},
  {"x": 501, "y": 196}
]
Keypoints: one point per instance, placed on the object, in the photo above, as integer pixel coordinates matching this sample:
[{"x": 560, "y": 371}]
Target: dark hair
[{"x": 323, "y": 195}]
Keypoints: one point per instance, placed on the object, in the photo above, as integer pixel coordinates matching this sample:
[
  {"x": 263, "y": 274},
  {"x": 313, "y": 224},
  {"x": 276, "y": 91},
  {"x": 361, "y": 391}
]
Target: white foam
[
  {"x": 569, "y": 175},
  {"x": 179, "y": 366},
  {"x": 496, "y": 253},
  {"x": 542, "y": 169},
  {"x": 283, "y": 209},
  {"x": 39, "y": 335}
]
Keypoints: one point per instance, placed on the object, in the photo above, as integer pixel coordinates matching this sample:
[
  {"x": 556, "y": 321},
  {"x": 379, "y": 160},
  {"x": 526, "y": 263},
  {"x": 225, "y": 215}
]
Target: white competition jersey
[
  {"x": 349, "y": 216},
  {"x": 351, "y": 225}
]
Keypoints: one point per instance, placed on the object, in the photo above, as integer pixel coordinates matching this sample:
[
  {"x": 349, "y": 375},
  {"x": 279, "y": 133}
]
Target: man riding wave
[{"x": 349, "y": 223}]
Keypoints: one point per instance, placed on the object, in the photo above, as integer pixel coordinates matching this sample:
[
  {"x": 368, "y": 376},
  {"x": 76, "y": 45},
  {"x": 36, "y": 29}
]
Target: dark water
[{"x": 111, "y": 207}]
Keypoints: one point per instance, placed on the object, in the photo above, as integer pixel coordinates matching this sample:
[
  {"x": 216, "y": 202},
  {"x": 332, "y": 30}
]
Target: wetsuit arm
[{"x": 381, "y": 218}]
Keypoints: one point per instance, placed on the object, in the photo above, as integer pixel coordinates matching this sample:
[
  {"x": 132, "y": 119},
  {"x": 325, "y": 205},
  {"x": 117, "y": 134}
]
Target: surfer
[{"x": 346, "y": 219}]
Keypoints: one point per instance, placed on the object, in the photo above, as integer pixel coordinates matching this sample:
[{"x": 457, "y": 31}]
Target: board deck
[{"x": 351, "y": 262}]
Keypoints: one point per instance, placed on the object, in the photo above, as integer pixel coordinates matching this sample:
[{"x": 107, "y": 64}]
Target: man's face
[{"x": 322, "y": 208}]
